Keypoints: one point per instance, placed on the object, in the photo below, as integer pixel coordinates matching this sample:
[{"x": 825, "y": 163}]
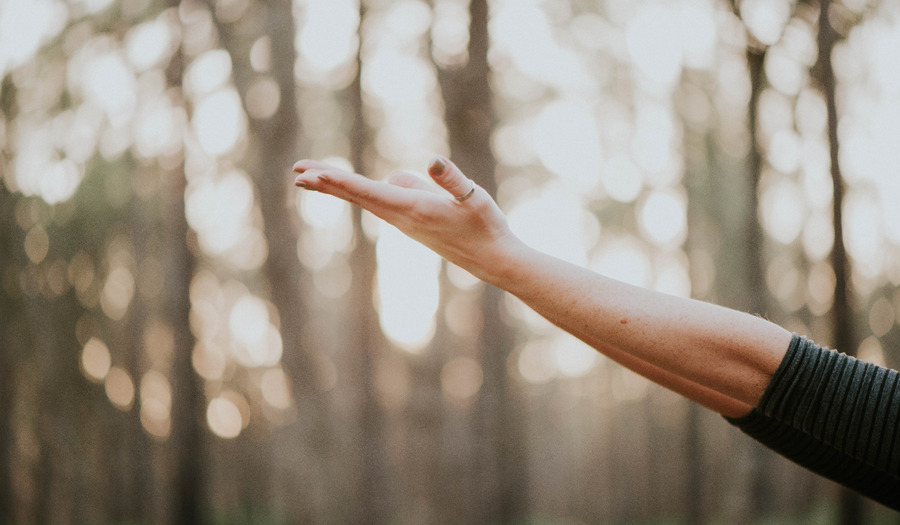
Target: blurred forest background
[{"x": 186, "y": 338}]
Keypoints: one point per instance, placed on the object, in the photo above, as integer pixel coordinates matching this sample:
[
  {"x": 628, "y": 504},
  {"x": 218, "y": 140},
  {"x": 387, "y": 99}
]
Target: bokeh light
[
  {"x": 223, "y": 418},
  {"x": 95, "y": 360},
  {"x": 156, "y": 404},
  {"x": 614, "y": 127},
  {"x": 276, "y": 389},
  {"x": 554, "y": 221},
  {"x": 119, "y": 388},
  {"x": 461, "y": 379},
  {"x": 24, "y": 26},
  {"x": 408, "y": 290},
  {"x": 567, "y": 141},
  {"x": 219, "y": 121}
]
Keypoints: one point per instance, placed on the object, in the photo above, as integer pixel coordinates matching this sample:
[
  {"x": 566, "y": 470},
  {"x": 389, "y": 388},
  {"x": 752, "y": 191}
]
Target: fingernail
[
  {"x": 437, "y": 166},
  {"x": 301, "y": 184},
  {"x": 324, "y": 178}
]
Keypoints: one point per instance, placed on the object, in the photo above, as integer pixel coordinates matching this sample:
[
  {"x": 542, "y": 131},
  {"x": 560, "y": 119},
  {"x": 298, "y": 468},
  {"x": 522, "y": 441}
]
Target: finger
[
  {"x": 377, "y": 197},
  {"x": 307, "y": 164},
  {"x": 449, "y": 177},
  {"x": 408, "y": 180}
]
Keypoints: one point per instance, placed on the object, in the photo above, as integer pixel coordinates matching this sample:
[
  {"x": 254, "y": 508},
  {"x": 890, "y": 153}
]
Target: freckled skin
[{"x": 719, "y": 358}]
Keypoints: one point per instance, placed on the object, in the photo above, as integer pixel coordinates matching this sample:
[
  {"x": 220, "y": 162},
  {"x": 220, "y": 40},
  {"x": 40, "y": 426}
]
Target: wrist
[{"x": 502, "y": 265}]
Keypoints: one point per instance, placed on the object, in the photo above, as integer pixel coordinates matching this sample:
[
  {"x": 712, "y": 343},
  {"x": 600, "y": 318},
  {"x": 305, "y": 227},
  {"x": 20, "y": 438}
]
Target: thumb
[{"x": 448, "y": 176}]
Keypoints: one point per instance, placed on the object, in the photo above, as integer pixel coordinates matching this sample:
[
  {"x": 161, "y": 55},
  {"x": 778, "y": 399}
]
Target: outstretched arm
[{"x": 718, "y": 357}]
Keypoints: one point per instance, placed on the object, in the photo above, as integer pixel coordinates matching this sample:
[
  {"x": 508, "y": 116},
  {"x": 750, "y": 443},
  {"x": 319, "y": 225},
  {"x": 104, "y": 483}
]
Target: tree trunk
[
  {"x": 372, "y": 492},
  {"x": 9, "y": 351},
  {"x": 758, "y": 498},
  {"x": 851, "y": 503},
  {"x": 186, "y": 437},
  {"x": 470, "y": 119},
  {"x": 273, "y": 148}
]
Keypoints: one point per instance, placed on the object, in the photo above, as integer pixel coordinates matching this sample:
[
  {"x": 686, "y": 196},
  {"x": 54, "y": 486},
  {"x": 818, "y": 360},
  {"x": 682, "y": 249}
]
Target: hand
[{"x": 471, "y": 233}]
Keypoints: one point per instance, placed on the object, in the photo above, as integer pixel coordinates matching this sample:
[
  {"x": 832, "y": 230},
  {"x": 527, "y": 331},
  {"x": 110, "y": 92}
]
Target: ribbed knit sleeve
[{"x": 834, "y": 415}]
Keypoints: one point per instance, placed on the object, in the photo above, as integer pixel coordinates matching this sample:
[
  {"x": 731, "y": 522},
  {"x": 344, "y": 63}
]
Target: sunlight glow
[
  {"x": 263, "y": 98},
  {"x": 258, "y": 343},
  {"x": 276, "y": 389},
  {"x": 871, "y": 350},
  {"x": 147, "y": 44},
  {"x": 92, "y": 6},
  {"x": 567, "y": 141},
  {"x": 24, "y": 26},
  {"x": 461, "y": 379},
  {"x": 208, "y": 72},
  {"x": 219, "y": 209},
  {"x": 224, "y": 418},
  {"x": 864, "y": 236},
  {"x": 513, "y": 144},
  {"x": 663, "y": 218},
  {"x": 208, "y": 362},
  {"x": 653, "y": 43},
  {"x": 523, "y": 33},
  {"x": 622, "y": 179},
  {"x": 652, "y": 144},
  {"x": 334, "y": 280},
  {"x": 219, "y": 121},
  {"x": 398, "y": 79},
  {"x": 881, "y": 317},
  {"x": 261, "y": 54},
  {"x": 699, "y": 33},
  {"x": 249, "y": 320},
  {"x": 327, "y": 37},
  {"x": 820, "y": 285},
  {"x": 784, "y": 151},
  {"x": 158, "y": 128},
  {"x": 117, "y": 292},
  {"x": 408, "y": 19},
  {"x": 818, "y": 236},
  {"x": 408, "y": 289},
  {"x": 109, "y": 83},
  {"x": 782, "y": 212},
  {"x": 572, "y": 357},
  {"x": 784, "y": 281},
  {"x": 450, "y": 33},
  {"x": 37, "y": 244},
  {"x": 461, "y": 278},
  {"x": 672, "y": 275},
  {"x": 156, "y": 404},
  {"x": 554, "y": 221},
  {"x": 535, "y": 363},
  {"x": 95, "y": 360},
  {"x": 463, "y": 315},
  {"x": 331, "y": 228},
  {"x": 783, "y": 72},
  {"x": 765, "y": 18},
  {"x": 119, "y": 388},
  {"x": 624, "y": 259},
  {"x": 38, "y": 173}
]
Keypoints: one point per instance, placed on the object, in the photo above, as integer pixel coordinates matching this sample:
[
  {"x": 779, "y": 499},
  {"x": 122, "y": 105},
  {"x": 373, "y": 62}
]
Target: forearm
[
  {"x": 722, "y": 350},
  {"x": 704, "y": 396},
  {"x": 726, "y": 351}
]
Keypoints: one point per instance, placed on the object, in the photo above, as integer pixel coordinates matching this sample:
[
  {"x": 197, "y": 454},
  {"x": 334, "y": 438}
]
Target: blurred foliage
[{"x": 184, "y": 338}]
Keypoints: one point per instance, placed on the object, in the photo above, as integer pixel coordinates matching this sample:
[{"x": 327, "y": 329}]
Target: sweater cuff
[{"x": 835, "y": 415}]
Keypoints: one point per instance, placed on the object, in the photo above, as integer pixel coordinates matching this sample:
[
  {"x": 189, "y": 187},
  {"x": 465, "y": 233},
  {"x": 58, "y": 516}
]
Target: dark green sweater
[{"x": 836, "y": 416}]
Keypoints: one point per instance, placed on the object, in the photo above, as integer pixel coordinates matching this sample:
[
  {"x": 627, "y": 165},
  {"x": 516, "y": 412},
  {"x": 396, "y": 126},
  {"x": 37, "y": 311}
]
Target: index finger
[
  {"x": 383, "y": 199},
  {"x": 308, "y": 164}
]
